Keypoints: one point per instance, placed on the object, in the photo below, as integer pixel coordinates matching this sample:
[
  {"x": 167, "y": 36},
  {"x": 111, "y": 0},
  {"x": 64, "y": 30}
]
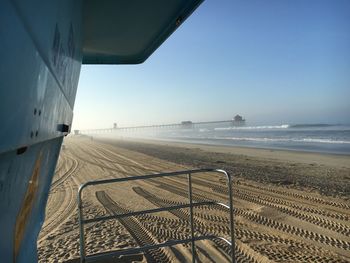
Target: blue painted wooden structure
[{"x": 42, "y": 46}]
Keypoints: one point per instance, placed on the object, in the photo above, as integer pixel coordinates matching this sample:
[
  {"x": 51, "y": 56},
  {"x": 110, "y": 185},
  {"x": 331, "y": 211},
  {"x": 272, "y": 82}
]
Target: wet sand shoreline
[{"x": 326, "y": 173}]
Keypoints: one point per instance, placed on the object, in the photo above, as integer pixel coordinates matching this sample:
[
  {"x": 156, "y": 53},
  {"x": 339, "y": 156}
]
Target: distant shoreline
[
  {"x": 273, "y": 148},
  {"x": 310, "y": 138},
  {"x": 327, "y": 174},
  {"x": 326, "y": 158}
]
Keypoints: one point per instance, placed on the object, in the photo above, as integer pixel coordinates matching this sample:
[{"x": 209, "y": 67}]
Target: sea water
[{"x": 323, "y": 138}]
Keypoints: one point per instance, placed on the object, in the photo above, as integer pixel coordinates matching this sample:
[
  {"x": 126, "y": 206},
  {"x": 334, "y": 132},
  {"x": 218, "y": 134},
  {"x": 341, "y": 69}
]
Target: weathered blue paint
[
  {"x": 38, "y": 80},
  {"x": 42, "y": 46},
  {"x": 15, "y": 173},
  {"x": 37, "y": 94}
]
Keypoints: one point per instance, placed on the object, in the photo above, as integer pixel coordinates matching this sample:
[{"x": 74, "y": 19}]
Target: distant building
[
  {"x": 187, "y": 124},
  {"x": 238, "y": 120},
  {"x": 115, "y": 126},
  {"x": 76, "y": 132}
]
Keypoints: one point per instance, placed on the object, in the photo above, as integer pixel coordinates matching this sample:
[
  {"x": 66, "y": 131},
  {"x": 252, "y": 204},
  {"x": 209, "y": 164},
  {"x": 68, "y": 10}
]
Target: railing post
[
  {"x": 81, "y": 227},
  {"x": 83, "y": 257},
  {"x": 229, "y": 182},
  {"x": 191, "y": 217}
]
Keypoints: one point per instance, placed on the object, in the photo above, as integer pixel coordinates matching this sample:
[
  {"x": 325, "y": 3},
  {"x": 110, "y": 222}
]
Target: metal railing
[{"x": 84, "y": 258}]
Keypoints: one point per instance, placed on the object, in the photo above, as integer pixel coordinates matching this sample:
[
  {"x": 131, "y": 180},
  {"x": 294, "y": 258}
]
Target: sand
[{"x": 289, "y": 206}]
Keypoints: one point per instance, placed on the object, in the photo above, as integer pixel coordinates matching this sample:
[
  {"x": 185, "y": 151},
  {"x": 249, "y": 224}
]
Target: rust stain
[{"x": 26, "y": 208}]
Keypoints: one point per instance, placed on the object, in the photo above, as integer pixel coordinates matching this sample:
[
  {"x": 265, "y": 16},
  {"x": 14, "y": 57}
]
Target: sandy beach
[{"x": 289, "y": 206}]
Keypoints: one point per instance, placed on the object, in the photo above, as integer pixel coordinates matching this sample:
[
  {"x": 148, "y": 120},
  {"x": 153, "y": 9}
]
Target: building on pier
[{"x": 238, "y": 120}]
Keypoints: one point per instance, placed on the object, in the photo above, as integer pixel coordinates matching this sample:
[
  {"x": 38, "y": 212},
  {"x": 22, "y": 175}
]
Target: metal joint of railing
[{"x": 193, "y": 239}]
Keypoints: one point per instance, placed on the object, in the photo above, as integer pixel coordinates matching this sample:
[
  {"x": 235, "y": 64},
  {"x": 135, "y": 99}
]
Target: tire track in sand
[
  {"x": 135, "y": 228},
  {"x": 64, "y": 200},
  {"x": 271, "y": 252}
]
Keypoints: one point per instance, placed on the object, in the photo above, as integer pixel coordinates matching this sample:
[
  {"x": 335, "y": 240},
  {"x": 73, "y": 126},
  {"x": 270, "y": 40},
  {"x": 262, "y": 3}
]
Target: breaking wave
[
  {"x": 263, "y": 127},
  {"x": 283, "y": 126},
  {"x": 310, "y": 140},
  {"x": 319, "y": 125}
]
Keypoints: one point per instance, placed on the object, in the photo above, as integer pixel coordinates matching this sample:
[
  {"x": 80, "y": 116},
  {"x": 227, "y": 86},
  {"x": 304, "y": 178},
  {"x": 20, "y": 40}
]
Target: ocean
[{"x": 322, "y": 138}]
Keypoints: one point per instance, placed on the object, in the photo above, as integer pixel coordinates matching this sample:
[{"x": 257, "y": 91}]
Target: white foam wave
[
  {"x": 325, "y": 141},
  {"x": 311, "y": 140},
  {"x": 283, "y": 126}
]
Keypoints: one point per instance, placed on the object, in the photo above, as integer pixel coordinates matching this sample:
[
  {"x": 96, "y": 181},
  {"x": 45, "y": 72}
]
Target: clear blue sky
[{"x": 272, "y": 61}]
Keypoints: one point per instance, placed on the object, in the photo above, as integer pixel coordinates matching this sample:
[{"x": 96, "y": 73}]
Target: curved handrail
[{"x": 83, "y": 256}]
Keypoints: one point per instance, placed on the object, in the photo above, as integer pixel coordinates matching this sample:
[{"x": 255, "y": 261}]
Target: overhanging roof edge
[{"x": 139, "y": 58}]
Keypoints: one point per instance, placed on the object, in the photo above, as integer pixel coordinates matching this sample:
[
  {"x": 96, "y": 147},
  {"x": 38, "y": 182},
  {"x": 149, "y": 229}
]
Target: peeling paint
[{"x": 26, "y": 208}]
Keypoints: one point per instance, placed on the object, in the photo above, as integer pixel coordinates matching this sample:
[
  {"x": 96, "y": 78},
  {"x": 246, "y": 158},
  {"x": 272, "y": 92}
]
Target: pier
[{"x": 183, "y": 125}]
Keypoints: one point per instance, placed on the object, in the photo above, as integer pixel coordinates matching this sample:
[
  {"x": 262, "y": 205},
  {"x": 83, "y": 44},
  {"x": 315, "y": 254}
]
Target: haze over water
[{"x": 322, "y": 138}]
